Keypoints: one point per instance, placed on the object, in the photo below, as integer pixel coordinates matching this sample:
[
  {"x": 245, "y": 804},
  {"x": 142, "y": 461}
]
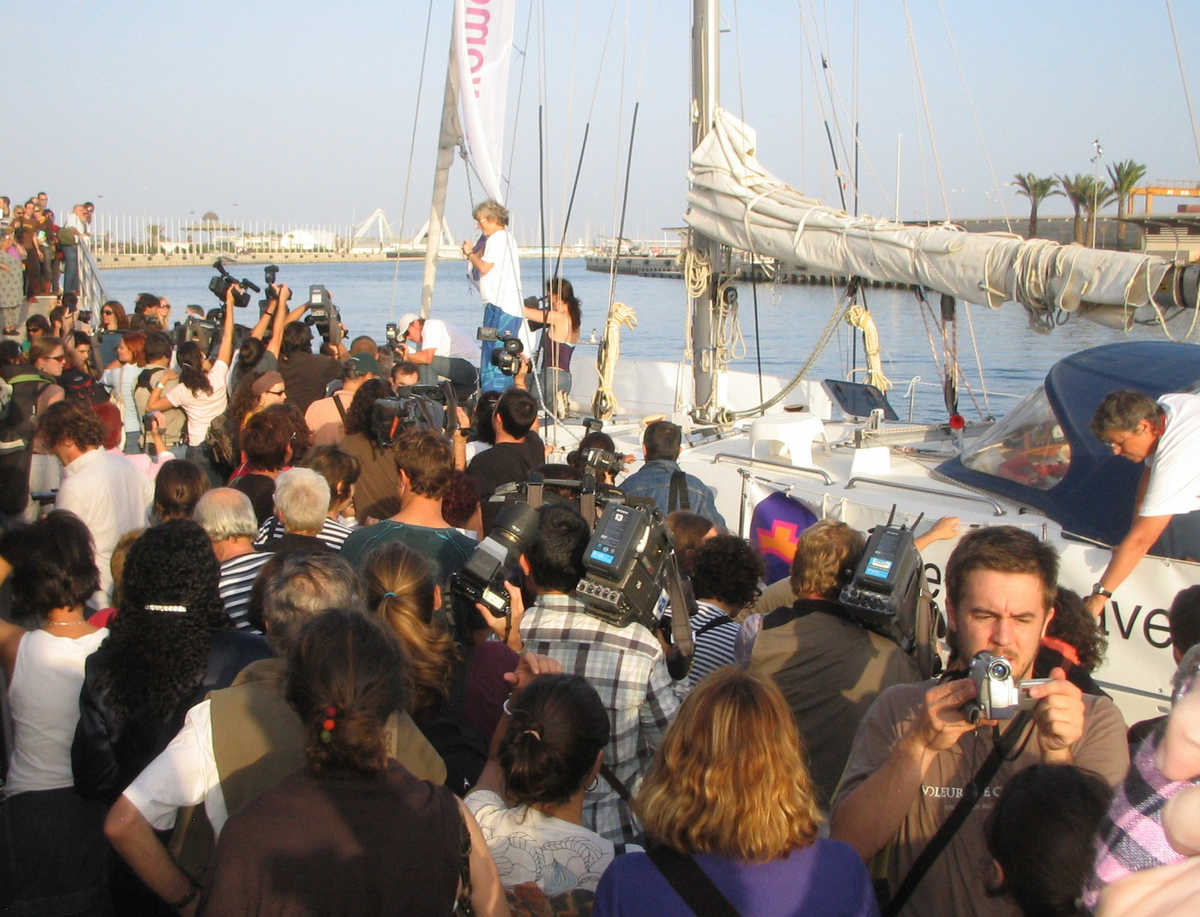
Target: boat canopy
[
  {"x": 1043, "y": 453},
  {"x": 732, "y": 198}
]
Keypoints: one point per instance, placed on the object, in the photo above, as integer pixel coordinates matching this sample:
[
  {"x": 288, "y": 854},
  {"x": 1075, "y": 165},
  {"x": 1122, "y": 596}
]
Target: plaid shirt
[{"x": 627, "y": 668}]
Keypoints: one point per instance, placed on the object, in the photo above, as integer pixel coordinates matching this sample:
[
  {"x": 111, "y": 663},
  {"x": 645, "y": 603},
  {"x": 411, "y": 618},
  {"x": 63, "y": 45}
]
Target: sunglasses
[
  {"x": 279, "y": 392},
  {"x": 59, "y": 357}
]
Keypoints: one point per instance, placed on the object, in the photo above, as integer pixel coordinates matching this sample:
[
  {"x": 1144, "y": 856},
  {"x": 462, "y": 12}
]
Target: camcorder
[
  {"x": 506, "y": 357},
  {"x": 270, "y": 272},
  {"x": 432, "y": 407},
  {"x": 391, "y": 333},
  {"x": 323, "y": 314},
  {"x": 998, "y": 695},
  {"x": 481, "y": 580},
  {"x": 601, "y": 462},
  {"x": 219, "y": 286}
]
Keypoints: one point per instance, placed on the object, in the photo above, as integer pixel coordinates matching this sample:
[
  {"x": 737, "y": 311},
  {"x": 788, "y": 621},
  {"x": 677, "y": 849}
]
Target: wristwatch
[{"x": 1099, "y": 589}]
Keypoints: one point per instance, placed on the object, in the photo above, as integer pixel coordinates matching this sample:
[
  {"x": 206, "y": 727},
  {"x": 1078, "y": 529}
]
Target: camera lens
[{"x": 999, "y": 670}]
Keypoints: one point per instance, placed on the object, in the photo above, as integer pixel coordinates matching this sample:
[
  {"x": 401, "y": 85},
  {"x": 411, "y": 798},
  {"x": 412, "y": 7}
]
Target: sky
[{"x": 303, "y": 112}]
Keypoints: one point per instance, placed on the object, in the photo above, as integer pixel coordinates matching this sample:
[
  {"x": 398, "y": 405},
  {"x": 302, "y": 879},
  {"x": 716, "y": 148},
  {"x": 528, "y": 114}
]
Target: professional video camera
[
  {"x": 430, "y": 406},
  {"x": 482, "y": 578},
  {"x": 998, "y": 695},
  {"x": 507, "y": 357},
  {"x": 219, "y": 286},
  {"x": 600, "y": 462},
  {"x": 884, "y": 594},
  {"x": 323, "y": 313}
]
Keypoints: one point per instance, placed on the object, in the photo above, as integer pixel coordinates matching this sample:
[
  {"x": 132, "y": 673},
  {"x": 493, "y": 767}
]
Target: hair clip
[
  {"x": 329, "y": 724},
  {"x": 173, "y": 609}
]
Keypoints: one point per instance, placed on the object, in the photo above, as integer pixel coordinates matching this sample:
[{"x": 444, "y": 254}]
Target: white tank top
[{"x": 44, "y": 697}]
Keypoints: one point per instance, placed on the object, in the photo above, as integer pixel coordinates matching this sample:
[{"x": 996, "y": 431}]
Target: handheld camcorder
[
  {"x": 601, "y": 462},
  {"x": 219, "y": 286},
  {"x": 1000, "y": 696},
  {"x": 433, "y": 407},
  {"x": 507, "y": 357},
  {"x": 482, "y": 578},
  {"x": 270, "y": 272},
  {"x": 322, "y": 313}
]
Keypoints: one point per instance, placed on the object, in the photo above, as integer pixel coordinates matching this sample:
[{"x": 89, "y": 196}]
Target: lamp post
[{"x": 1099, "y": 152}]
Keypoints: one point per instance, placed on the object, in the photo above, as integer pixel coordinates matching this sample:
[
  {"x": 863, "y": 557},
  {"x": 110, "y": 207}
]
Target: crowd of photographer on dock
[{"x": 324, "y": 632}]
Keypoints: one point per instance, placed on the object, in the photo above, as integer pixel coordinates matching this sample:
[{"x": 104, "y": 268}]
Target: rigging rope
[
  {"x": 1187, "y": 96},
  {"x": 604, "y": 404},
  {"x": 912, "y": 44},
  {"x": 860, "y": 317}
]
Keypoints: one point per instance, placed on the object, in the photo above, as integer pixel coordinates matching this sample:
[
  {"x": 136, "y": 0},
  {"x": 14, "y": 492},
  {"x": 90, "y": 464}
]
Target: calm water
[{"x": 1015, "y": 358}]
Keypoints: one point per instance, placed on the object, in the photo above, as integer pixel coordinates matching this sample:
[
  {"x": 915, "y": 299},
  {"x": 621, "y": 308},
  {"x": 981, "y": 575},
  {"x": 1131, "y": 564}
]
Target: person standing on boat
[
  {"x": 1165, "y": 435},
  {"x": 662, "y": 480},
  {"x": 562, "y": 322},
  {"x": 495, "y": 269}
]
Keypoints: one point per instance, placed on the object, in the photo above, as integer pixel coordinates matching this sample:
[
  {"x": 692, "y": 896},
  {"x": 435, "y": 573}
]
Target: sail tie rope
[
  {"x": 604, "y": 405},
  {"x": 859, "y": 317}
]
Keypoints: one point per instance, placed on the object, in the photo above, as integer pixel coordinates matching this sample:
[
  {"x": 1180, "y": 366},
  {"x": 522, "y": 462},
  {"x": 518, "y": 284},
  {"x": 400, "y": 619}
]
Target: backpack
[
  {"x": 81, "y": 388},
  {"x": 18, "y": 422}
]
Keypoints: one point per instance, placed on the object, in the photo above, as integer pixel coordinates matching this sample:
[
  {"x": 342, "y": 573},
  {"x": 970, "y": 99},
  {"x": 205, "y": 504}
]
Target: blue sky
[{"x": 304, "y": 110}]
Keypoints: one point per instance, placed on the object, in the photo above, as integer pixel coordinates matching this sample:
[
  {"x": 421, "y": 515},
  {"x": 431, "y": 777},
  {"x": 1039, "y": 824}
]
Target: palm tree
[
  {"x": 1077, "y": 190},
  {"x": 1125, "y": 176},
  {"x": 1037, "y": 189},
  {"x": 1096, "y": 195}
]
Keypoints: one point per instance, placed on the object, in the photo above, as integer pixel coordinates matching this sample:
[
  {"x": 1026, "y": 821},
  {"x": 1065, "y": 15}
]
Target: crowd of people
[
  {"x": 242, "y": 676},
  {"x": 39, "y": 254}
]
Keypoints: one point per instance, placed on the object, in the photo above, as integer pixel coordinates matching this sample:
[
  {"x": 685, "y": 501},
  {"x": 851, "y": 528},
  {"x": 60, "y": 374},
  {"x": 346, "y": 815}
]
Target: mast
[
  {"x": 706, "y": 74},
  {"x": 449, "y": 137}
]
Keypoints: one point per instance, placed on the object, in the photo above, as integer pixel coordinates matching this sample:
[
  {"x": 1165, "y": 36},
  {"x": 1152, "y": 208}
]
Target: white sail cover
[
  {"x": 734, "y": 200},
  {"x": 483, "y": 32}
]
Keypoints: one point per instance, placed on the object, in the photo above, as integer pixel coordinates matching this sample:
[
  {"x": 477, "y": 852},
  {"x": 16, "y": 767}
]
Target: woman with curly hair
[
  {"x": 375, "y": 493},
  {"x": 56, "y": 849},
  {"x": 255, "y": 391},
  {"x": 325, "y": 840},
  {"x": 729, "y": 792},
  {"x": 1073, "y": 642},
  {"x": 529, "y": 798},
  {"x": 457, "y": 695}
]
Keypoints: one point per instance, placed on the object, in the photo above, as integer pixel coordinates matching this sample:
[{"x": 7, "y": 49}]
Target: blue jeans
[
  {"x": 490, "y": 378},
  {"x": 70, "y": 269}
]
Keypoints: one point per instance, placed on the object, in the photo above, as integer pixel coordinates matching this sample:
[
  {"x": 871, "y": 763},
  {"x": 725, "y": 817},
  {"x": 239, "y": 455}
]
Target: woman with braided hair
[
  {"x": 529, "y": 799},
  {"x": 354, "y": 832}
]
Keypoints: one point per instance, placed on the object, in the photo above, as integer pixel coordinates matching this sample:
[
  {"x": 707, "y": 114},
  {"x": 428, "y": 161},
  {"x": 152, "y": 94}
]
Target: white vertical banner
[{"x": 483, "y": 32}]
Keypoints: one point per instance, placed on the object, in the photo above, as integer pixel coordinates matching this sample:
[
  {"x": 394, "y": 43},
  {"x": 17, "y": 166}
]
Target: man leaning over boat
[{"x": 1165, "y": 435}]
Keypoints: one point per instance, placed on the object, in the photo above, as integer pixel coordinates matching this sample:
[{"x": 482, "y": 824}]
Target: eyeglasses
[
  {"x": 106, "y": 311},
  {"x": 56, "y": 356}
]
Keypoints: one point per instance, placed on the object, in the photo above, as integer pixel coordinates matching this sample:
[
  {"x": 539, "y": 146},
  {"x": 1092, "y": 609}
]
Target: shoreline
[{"x": 108, "y": 262}]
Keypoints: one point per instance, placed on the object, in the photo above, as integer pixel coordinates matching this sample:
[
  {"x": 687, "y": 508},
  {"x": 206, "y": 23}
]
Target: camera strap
[
  {"x": 971, "y": 793},
  {"x": 690, "y": 882},
  {"x": 677, "y": 497}
]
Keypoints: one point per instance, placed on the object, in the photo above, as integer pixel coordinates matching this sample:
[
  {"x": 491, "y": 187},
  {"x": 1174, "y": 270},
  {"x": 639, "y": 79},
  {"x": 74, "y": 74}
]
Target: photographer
[
  {"x": 305, "y": 373},
  {"x": 916, "y": 751},
  {"x": 326, "y": 417},
  {"x": 255, "y": 354},
  {"x": 626, "y": 665}
]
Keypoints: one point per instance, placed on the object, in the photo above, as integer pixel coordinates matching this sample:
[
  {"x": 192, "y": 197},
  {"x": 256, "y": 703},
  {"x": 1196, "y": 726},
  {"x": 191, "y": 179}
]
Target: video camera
[
  {"x": 998, "y": 695},
  {"x": 482, "y": 578},
  {"x": 323, "y": 313},
  {"x": 626, "y": 561},
  {"x": 433, "y": 407},
  {"x": 270, "y": 272},
  {"x": 507, "y": 357},
  {"x": 219, "y": 286},
  {"x": 599, "y": 462}
]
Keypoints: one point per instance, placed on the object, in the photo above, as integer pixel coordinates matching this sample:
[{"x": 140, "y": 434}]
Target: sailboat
[{"x": 838, "y": 448}]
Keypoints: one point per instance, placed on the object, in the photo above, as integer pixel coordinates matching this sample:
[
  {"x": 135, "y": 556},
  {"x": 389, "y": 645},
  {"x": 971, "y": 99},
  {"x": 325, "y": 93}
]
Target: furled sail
[{"x": 734, "y": 199}]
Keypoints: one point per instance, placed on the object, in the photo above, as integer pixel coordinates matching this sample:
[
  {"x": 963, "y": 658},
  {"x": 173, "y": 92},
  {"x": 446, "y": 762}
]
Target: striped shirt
[
  {"x": 333, "y": 534},
  {"x": 715, "y": 635},
  {"x": 627, "y": 668},
  {"x": 237, "y": 579}
]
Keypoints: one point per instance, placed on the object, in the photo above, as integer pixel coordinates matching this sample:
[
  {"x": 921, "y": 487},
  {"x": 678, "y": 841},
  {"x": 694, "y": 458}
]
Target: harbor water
[{"x": 1015, "y": 358}]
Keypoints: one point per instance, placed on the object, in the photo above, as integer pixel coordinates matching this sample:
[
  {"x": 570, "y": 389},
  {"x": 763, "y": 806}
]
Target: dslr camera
[
  {"x": 482, "y": 578},
  {"x": 999, "y": 696},
  {"x": 506, "y": 357},
  {"x": 219, "y": 286}
]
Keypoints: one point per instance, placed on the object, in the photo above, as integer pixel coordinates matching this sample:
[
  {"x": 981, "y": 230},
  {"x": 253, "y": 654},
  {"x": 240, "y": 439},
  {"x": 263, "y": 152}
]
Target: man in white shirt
[
  {"x": 438, "y": 350},
  {"x": 77, "y": 223},
  {"x": 104, "y": 490},
  {"x": 1165, "y": 435},
  {"x": 495, "y": 269}
]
